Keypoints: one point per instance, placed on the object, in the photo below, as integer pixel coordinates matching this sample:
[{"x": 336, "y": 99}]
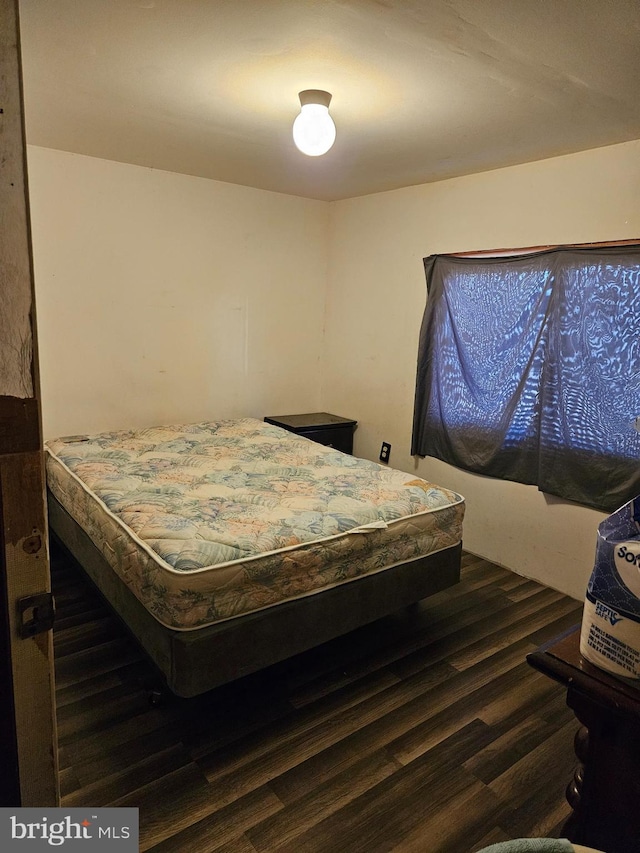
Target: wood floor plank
[
  {"x": 130, "y": 776},
  {"x": 474, "y": 697},
  {"x": 531, "y": 771},
  {"x": 479, "y": 628},
  {"x": 521, "y": 591},
  {"x": 519, "y": 702},
  {"x": 558, "y": 626},
  {"x": 375, "y": 648},
  {"x": 105, "y": 657},
  {"x": 338, "y": 681},
  {"x": 95, "y": 768},
  {"x": 495, "y": 836},
  {"x": 457, "y": 827},
  {"x": 68, "y": 781},
  {"x": 501, "y": 754},
  {"x": 88, "y": 746},
  {"x": 424, "y": 731},
  {"x": 76, "y": 638},
  {"x": 99, "y": 711},
  {"x": 92, "y": 686},
  {"x": 395, "y": 808},
  {"x": 324, "y": 725},
  {"x": 225, "y": 829},
  {"x": 401, "y": 709},
  {"x": 512, "y": 632},
  {"x": 305, "y": 811},
  {"x": 542, "y": 814},
  {"x": 181, "y": 801}
]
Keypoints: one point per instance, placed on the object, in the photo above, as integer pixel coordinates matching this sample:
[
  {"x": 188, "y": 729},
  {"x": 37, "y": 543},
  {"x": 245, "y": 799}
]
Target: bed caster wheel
[{"x": 156, "y": 698}]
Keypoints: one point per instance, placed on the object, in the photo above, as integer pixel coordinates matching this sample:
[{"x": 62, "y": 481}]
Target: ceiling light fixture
[{"x": 313, "y": 130}]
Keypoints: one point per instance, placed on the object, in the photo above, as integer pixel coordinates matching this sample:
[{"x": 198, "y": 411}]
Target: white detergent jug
[{"x": 610, "y": 636}]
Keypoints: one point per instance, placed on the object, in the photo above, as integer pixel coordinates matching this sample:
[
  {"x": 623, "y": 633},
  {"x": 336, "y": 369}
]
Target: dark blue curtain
[{"x": 529, "y": 370}]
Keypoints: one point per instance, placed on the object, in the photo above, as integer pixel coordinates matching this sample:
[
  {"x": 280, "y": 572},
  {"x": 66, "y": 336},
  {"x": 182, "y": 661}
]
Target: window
[{"x": 529, "y": 370}]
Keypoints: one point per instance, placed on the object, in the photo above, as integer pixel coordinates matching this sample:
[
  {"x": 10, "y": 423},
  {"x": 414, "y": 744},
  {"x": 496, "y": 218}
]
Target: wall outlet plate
[{"x": 385, "y": 452}]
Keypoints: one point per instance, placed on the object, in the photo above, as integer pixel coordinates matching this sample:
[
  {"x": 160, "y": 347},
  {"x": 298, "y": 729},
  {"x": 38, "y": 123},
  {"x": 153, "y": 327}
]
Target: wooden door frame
[
  {"x": 10, "y": 777},
  {"x": 26, "y": 664}
]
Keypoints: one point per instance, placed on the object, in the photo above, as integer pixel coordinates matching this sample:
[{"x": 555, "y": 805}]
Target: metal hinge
[{"x": 35, "y": 614}]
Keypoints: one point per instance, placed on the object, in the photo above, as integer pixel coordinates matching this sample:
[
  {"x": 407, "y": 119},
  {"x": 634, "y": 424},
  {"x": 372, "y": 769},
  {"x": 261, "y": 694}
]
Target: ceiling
[{"x": 422, "y": 89}]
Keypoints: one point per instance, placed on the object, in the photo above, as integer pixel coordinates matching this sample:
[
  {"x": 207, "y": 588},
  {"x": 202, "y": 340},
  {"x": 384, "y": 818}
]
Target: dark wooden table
[{"x": 605, "y": 791}]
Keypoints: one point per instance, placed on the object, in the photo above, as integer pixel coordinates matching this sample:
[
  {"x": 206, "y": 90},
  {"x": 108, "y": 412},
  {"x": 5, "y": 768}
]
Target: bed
[{"x": 228, "y": 546}]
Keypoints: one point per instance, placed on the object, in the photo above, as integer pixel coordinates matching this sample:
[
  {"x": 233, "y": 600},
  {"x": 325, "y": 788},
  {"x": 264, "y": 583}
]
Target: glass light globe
[{"x": 313, "y": 130}]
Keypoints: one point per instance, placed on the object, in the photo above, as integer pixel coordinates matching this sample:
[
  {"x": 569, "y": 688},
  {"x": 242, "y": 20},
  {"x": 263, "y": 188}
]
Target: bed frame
[{"x": 193, "y": 662}]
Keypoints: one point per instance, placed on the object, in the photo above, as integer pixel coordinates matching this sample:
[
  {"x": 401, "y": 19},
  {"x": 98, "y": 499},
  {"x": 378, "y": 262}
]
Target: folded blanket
[{"x": 531, "y": 845}]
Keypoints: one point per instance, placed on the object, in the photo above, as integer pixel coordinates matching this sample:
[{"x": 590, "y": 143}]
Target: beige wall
[
  {"x": 375, "y": 302},
  {"x": 163, "y": 297}
]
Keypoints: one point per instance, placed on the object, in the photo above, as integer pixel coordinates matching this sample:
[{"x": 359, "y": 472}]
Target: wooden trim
[
  {"x": 19, "y": 425},
  {"x": 16, "y": 332},
  {"x": 24, "y": 553},
  {"x": 10, "y": 776},
  {"x": 528, "y": 250},
  {"x": 27, "y": 572}
]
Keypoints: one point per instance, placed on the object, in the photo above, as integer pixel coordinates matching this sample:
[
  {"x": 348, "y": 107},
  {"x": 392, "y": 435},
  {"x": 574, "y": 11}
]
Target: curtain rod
[{"x": 530, "y": 249}]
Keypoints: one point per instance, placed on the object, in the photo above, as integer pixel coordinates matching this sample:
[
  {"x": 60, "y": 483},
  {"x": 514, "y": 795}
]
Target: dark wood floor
[{"x": 426, "y": 731}]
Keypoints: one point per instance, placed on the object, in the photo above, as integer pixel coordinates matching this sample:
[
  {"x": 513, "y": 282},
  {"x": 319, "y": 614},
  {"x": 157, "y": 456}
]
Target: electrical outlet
[{"x": 385, "y": 452}]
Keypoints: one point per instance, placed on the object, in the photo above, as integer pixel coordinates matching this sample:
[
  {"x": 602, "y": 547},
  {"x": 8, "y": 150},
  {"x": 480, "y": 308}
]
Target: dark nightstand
[
  {"x": 605, "y": 791},
  {"x": 331, "y": 430}
]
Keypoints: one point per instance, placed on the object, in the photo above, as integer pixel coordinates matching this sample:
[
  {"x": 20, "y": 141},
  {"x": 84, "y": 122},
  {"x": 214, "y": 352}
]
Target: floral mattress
[{"x": 205, "y": 522}]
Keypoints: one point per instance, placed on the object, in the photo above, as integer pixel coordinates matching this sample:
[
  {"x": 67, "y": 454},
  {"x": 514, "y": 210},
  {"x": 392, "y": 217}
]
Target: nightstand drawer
[
  {"x": 341, "y": 438},
  {"x": 330, "y": 430}
]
